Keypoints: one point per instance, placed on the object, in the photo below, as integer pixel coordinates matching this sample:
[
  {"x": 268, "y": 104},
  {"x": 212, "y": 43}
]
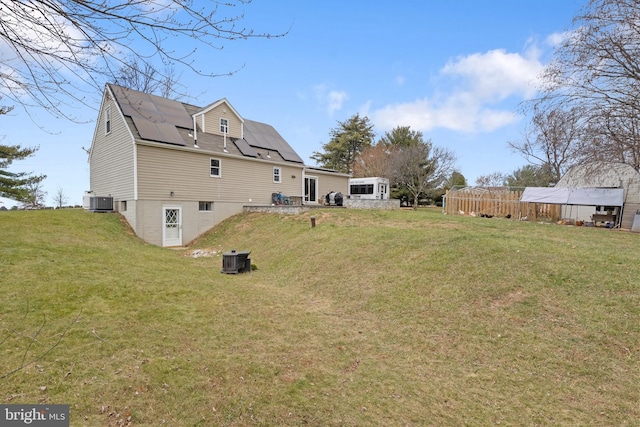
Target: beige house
[{"x": 175, "y": 170}]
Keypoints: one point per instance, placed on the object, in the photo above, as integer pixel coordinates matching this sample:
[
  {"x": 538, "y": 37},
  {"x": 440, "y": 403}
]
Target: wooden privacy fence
[{"x": 499, "y": 202}]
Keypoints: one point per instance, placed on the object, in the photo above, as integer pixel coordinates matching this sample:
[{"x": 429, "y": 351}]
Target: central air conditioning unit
[{"x": 101, "y": 204}]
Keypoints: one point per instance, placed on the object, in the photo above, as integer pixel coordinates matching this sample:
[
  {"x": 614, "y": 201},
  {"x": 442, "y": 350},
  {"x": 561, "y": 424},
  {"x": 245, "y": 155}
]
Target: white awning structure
[{"x": 574, "y": 196}]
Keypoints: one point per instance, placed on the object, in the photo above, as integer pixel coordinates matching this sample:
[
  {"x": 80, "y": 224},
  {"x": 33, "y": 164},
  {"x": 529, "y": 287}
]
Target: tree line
[
  {"x": 413, "y": 164},
  {"x": 416, "y": 168},
  {"x": 588, "y": 108},
  {"x": 587, "y": 112}
]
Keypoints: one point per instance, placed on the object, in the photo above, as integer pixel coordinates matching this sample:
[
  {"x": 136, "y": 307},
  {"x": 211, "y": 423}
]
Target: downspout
[
  {"x": 302, "y": 184},
  {"x": 195, "y": 133}
]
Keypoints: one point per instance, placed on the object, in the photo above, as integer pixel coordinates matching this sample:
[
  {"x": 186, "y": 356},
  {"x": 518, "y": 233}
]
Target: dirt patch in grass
[{"x": 509, "y": 299}]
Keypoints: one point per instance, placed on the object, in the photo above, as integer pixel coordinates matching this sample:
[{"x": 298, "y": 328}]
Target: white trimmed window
[
  {"x": 205, "y": 206},
  {"x": 107, "y": 121},
  {"x": 216, "y": 167},
  {"x": 277, "y": 175},
  {"x": 224, "y": 125}
]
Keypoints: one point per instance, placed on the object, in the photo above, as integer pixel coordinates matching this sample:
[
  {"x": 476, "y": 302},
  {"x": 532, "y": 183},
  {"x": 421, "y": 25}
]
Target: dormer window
[{"x": 224, "y": 126}]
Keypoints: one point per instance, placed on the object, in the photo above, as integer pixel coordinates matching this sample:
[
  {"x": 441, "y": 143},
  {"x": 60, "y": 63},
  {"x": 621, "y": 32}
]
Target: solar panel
[
  {"x": 160, "y": 132},
  {"x": 290, "y": 156},
  {"x": 265, "y": 136},
  {"x": 245, "y": 148},
  {"x": 155, "y": 118},
  {"x": 173, "y": 112}
]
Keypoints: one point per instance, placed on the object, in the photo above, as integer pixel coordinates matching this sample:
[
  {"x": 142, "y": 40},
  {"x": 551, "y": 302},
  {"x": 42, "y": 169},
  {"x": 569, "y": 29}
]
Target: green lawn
[{"x": 403, "y": 318}]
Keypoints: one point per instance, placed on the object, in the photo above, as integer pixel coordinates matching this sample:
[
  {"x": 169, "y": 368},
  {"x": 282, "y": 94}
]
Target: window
[
  {"x": 362, "y": 189},
  {"x": 224, "y": 125},
  {"x": 215, "y": 167},
  {"x": 276, "y": 175},
  {"x": 107, "y": 121},
  {"x": 123, "y": 206},
  {"x": 205, "y": 206}
]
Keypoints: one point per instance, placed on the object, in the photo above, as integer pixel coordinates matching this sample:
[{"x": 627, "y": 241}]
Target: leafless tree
[
  {"x": 421, "y": 167},
  {"x": 56, "y": 53},
  {"x": 597, "y": 69},
  {"x": 552, "y": 139},
  {"x": 145, "y": 78},
  {"x": 376, "y": 160},
  {"x": 614, "y": 136},
  {"x": 495, "y": 179},
  {"x": 60, "y": 199}
]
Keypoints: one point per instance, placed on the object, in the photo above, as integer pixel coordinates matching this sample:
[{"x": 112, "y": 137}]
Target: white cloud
[
  {"x": 330, "y": 99},
  {"x": 556, "y": 39},
  {"x": 496, "y": 75},
  {"x": 335, "y": 99},
  {"x": 400, "y": 80},
  {"x": 476, "y": 86},
  {"x": 456, "y": 113}
]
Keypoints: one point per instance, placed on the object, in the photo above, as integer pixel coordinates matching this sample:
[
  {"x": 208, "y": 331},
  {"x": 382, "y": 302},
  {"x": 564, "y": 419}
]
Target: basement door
[{"x": 172, "y": 226}]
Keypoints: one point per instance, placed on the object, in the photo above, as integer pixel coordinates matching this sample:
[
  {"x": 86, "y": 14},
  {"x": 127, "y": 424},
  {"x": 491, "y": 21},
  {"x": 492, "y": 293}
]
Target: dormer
[{"x": 220, "y": 118}]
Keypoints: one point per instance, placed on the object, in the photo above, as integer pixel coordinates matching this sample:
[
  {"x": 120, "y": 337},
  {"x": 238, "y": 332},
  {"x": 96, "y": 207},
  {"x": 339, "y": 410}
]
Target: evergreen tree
[
  {"x": 15, "y": 185},
  {"x": 347, "y": 142},
  {"x": 456, "y": 179},
  {"x": 532, "y": 176},
  {"x": 401, "y": 136}
]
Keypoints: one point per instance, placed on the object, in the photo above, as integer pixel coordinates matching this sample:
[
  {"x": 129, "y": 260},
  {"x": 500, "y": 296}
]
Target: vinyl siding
[
  {"x": 328, "y": 182},
  {"x": 111, "y": 163},
  {"x": 187, "y": 173},
  {"x": 212, "y": 121}
]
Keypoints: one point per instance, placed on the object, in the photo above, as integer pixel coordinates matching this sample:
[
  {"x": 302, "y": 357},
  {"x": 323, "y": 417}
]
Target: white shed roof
[{"x": 574, "y": 196}]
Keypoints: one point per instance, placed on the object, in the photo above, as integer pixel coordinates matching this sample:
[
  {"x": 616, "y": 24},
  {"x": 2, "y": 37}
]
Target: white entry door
[
  {"x": 172, "y": 226},
  {"x": 311, "y": 189}
]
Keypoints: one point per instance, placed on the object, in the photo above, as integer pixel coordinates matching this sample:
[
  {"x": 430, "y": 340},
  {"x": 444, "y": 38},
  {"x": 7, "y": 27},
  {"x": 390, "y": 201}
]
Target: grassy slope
[{"x": 371, "y": 318}]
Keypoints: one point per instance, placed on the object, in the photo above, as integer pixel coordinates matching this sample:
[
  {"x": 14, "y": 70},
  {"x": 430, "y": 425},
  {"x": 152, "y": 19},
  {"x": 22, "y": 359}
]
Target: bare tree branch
[
  {"x": 597, "y": 70},
  {"x": 552, "y": 139},
  {"x": 55, "y": 53},
  {"x": 24, "y": 363}
]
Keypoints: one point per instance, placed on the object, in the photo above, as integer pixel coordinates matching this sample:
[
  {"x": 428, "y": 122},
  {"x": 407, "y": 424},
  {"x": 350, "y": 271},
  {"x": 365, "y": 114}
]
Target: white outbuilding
[{"x": 595, "y": 192}]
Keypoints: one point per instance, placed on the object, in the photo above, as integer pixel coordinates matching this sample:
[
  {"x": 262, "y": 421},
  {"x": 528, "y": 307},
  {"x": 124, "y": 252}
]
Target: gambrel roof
[{"x": 157, "y": 119}]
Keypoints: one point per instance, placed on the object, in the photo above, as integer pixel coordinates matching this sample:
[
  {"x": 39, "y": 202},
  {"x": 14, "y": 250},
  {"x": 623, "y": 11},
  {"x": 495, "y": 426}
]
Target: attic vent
[{"x": 101, "y": 204}]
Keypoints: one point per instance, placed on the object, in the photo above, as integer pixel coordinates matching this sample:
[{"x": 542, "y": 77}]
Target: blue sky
[{"x": 455, "y": 70}]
